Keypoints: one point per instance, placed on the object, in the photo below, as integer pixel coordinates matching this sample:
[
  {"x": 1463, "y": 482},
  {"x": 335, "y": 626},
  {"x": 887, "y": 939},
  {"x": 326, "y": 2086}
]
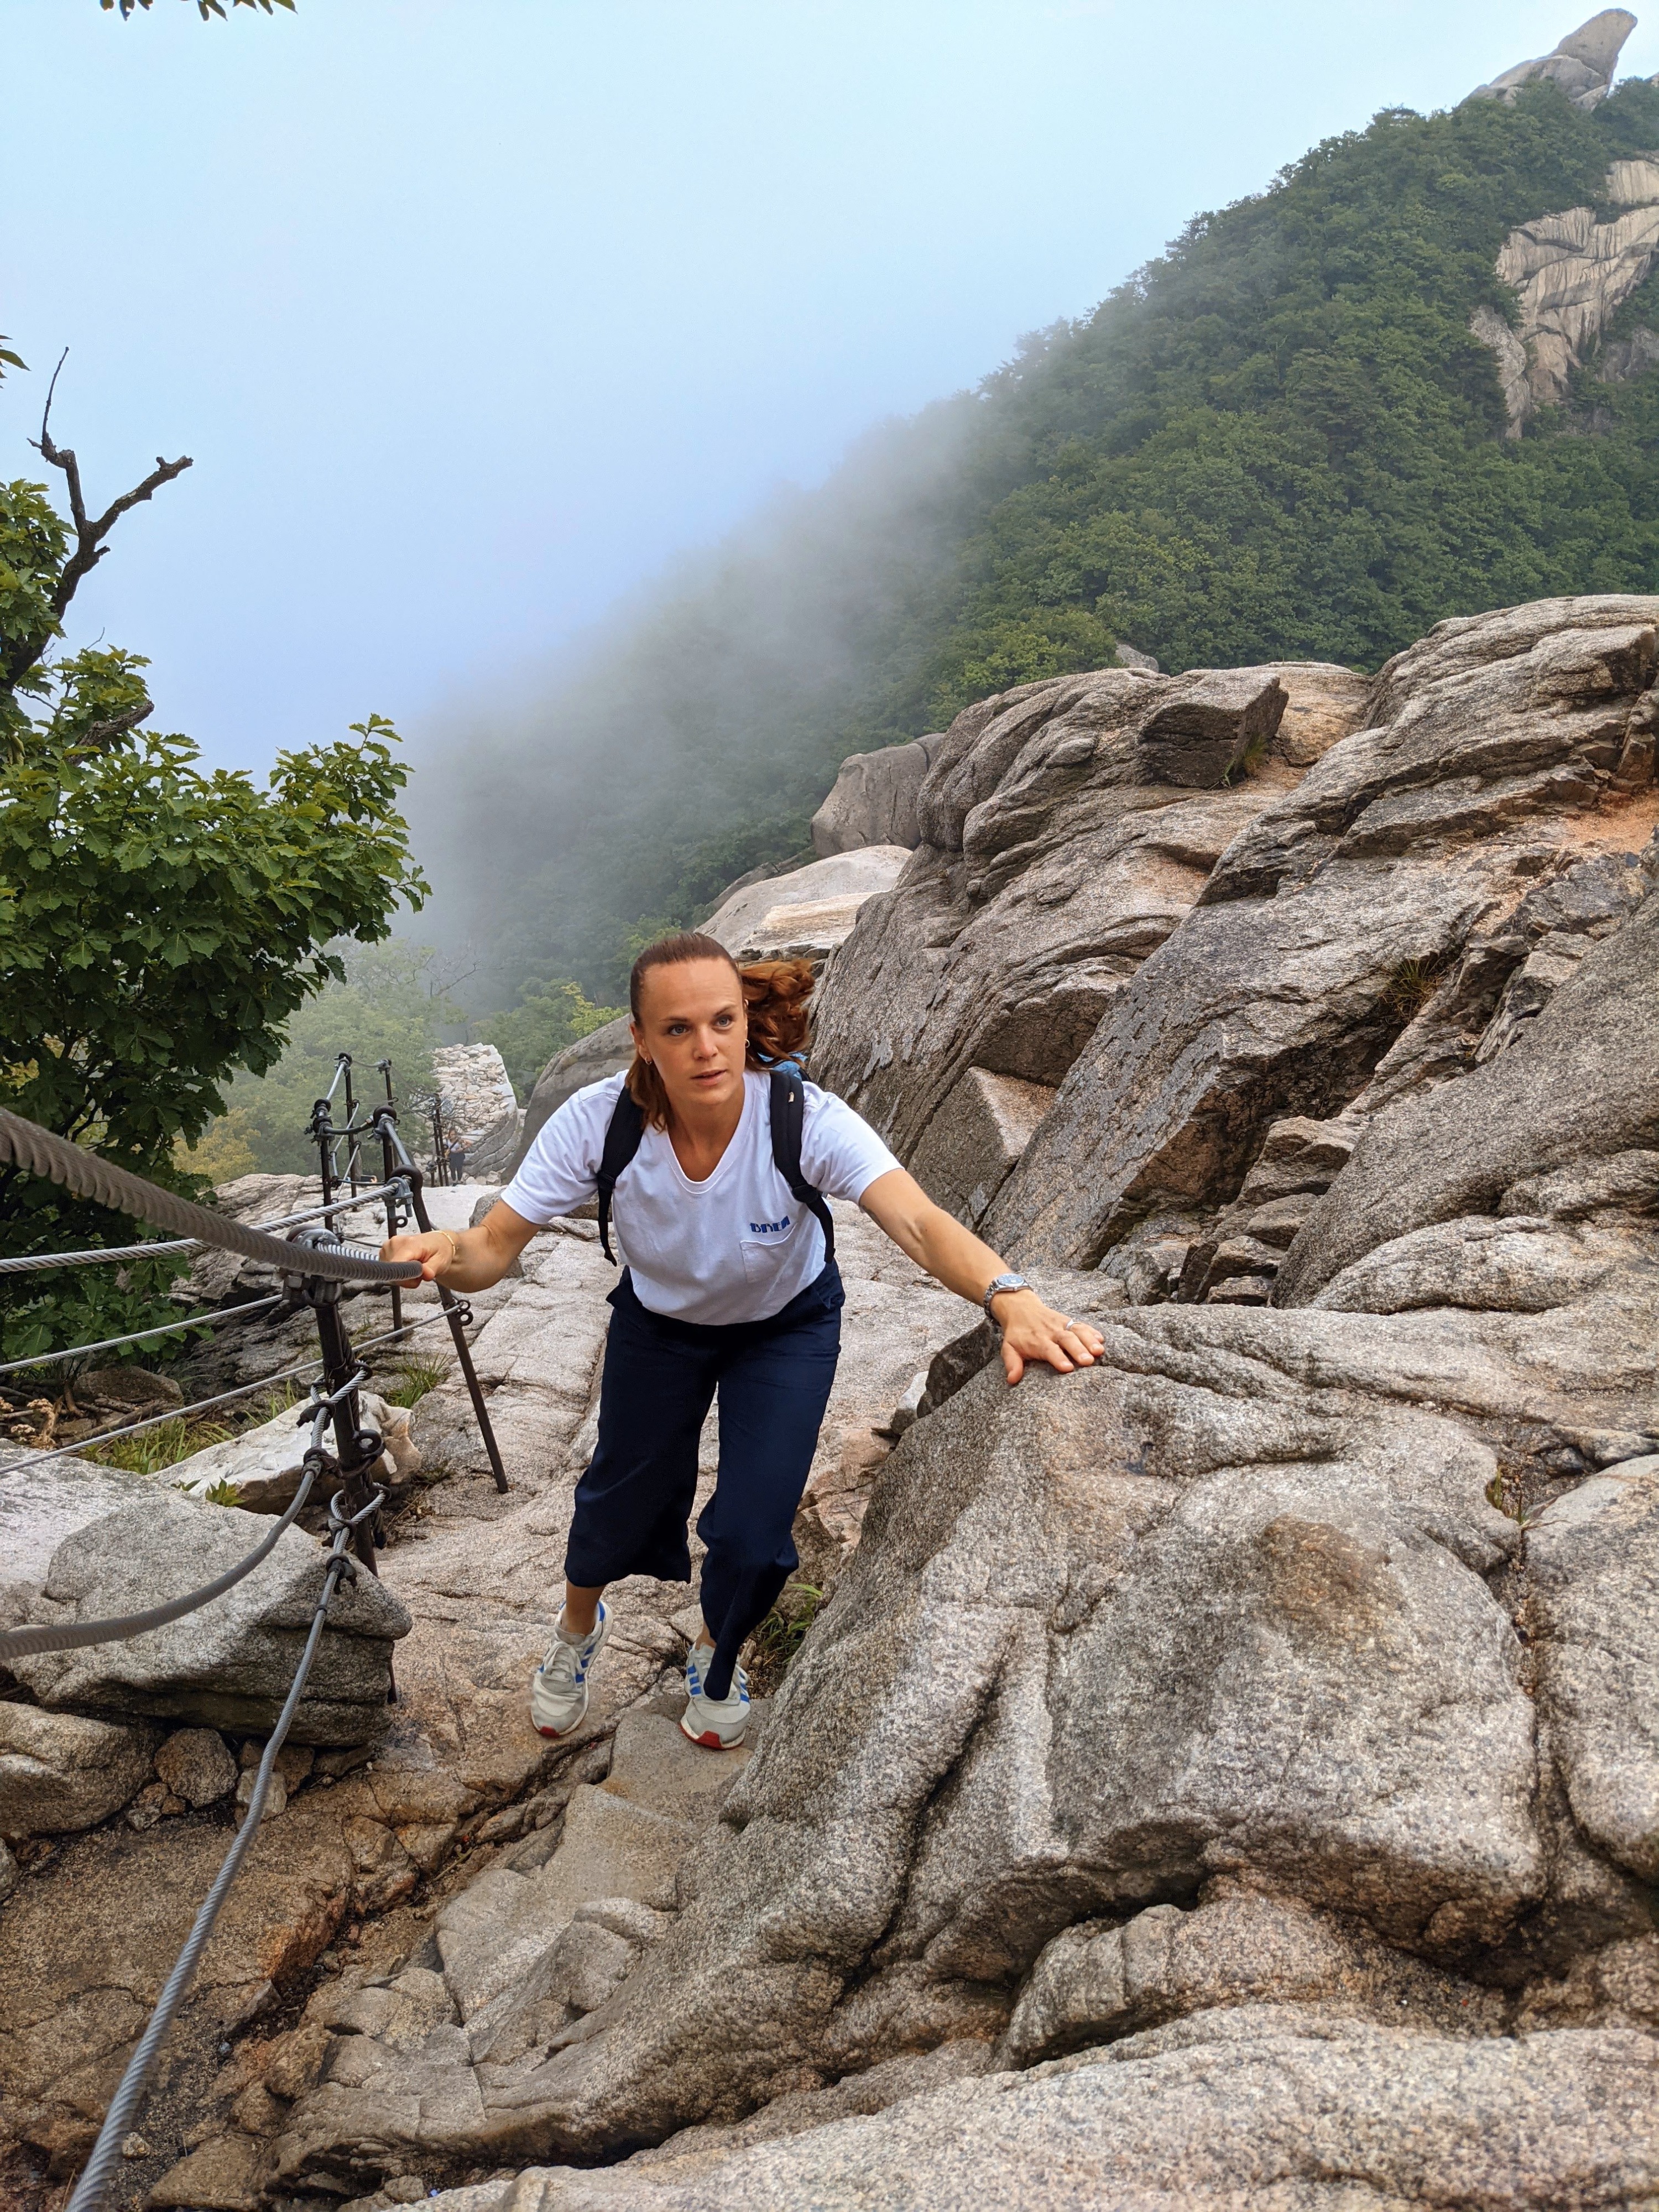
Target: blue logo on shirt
[{"x": 769, "y": 1228}]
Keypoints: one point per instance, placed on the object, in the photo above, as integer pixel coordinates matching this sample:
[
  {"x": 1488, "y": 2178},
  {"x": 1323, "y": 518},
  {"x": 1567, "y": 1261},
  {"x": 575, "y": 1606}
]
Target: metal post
[
  {"x": 410, "y": 1176},
  {"x": 322, "y": 1129},
  {"x": 394, "y": 1219},
  {"x": 356, "y": 1448},
  {"x": 351, "y": 1116}
]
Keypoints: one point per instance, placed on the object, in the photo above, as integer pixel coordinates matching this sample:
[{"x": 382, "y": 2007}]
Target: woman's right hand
[
  {"x": 436, "y": 1249},
  {"x": 465, "y": 1259}
]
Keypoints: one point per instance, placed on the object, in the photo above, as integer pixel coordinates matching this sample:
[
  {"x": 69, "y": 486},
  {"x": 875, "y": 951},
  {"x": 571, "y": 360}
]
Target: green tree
[
  {"x": 159, "y": 924},
  {"x": 390, "y": 1001},
  {"x": 548, "y": 1017}
]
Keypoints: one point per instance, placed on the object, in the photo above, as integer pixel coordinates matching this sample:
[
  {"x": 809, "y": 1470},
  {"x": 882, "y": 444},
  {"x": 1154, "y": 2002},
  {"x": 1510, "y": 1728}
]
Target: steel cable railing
[
  {"x": 125, "y": 2105},
  {"x": 38, "y": 1151},
  {"x": 216, "y": 1318},
  {"x": 18, "y": 1643},
  {"x": 206, "y": 1404},
  {"x": 318, "y": 1266}
]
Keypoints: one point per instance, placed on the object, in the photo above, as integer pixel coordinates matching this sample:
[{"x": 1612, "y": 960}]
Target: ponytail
[{"x": 774, "y": 993}]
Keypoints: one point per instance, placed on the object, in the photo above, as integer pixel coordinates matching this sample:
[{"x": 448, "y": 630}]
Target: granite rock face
[
  {"x": 1571, "y": 273},
  {"x": 1250, "y": 2106},
  {"x": 874, "y": 799},
  {"x": 61, "y": 1771},
  {"x": 1355, "y": 939},
  {"x": 1068, "y": 827},
  {"x": 479, "y": 1106}
]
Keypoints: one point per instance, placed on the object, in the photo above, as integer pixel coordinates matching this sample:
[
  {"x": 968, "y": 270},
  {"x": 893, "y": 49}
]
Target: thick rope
[{"x": 38, "y": 1151}]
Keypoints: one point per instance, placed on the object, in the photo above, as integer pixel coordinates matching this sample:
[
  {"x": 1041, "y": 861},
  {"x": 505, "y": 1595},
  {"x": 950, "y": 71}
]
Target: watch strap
[{"x": 1009, "y": 1282}]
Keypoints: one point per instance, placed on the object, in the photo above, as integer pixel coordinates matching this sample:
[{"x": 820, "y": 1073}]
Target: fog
[{"x": 689, "y": 737}]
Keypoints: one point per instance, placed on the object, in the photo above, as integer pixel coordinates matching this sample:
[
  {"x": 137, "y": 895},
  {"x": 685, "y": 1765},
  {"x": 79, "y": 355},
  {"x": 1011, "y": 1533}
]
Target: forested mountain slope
[{"x": 1281, "y": 440}]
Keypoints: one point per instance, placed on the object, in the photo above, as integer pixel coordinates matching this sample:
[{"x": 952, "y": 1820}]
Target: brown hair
[{"x": 775, "y": 993}]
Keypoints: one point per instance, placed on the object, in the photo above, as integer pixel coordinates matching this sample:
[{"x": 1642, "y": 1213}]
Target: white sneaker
[
  {"x": 558, "y": 1688},
  {"x": 718, "y": 1724}
]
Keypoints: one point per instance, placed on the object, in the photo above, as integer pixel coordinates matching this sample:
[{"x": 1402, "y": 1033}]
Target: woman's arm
[
  {"x": 955, "y": 1257},
  {"x": 466, "y": 1258}
]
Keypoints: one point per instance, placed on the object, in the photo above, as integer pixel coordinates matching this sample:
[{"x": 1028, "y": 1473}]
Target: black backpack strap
[
  {"x": 621, "y": 1141},
  {"x": 789, "y": 1123}
]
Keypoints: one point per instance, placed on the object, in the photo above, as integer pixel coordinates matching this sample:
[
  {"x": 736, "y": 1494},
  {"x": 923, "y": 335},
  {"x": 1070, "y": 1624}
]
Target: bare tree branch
[
  {"x": 89, "y": 533},
  {"x": 100, "y": 734}
]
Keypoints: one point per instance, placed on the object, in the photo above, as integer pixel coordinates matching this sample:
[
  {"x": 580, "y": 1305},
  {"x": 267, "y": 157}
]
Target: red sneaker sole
[{"x": 708, "y": 1740}]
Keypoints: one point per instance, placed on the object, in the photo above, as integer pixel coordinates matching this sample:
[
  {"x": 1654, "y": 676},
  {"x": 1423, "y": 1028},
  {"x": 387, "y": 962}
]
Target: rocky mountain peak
[{"x": 1582, "y": 64}]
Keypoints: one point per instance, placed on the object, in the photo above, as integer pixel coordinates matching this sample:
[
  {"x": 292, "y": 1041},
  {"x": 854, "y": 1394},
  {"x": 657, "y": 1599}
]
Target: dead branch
[{"x": 90, "y": 532}]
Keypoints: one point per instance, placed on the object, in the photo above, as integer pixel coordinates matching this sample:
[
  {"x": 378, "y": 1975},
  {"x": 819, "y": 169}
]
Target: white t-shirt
[{"x": 734, "y": 1248}]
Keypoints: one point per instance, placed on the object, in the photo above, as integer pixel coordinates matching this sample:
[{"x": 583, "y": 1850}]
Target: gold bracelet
[{"x": 454, "y": 1248}]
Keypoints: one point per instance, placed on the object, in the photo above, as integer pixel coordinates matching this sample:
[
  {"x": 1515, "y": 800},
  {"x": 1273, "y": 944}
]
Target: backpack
[{"x": 788, "y": 1114}]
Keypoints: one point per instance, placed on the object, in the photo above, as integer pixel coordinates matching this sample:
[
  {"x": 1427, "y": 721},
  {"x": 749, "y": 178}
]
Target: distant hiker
[
  {"x": 456, "y": 1158},
  {"x": 721, "y": 1157}
]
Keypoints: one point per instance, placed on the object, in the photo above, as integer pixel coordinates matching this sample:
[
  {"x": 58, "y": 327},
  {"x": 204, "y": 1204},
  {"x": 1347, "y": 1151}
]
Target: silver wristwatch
[{"x": 1002, "y": 1283}]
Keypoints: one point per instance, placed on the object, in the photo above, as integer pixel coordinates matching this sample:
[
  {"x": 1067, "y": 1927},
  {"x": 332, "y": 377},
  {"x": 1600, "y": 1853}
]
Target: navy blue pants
[{"x": 772, "y": 1379}]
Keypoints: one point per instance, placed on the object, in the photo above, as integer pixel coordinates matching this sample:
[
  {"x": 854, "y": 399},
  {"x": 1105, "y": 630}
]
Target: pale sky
[{"x": 475, "y": 313}]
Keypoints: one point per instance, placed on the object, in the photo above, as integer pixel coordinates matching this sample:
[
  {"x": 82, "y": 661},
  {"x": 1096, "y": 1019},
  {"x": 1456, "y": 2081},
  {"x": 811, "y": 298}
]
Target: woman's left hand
[{"x": 1034, "y": 1332}]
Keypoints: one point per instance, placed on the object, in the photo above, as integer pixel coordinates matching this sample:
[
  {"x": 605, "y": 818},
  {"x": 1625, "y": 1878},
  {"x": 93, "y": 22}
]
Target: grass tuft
[
  {"x": 409, "y": 1383},
  {"x": 152, "y": 1450},
  {"x": 776, "y": 1644}
]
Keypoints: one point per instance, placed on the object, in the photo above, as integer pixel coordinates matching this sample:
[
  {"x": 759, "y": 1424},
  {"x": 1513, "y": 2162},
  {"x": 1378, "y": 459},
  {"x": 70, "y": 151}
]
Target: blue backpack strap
[
  {"x": 788, "y": 1105},
  {"x": 621, "y": 1141}
]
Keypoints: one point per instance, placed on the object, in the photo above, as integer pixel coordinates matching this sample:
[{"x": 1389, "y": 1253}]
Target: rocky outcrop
[
  {"x": 1581, "y": 66},
  {"x": 1570, "y": 274},
  {"x": 874, "y": 799},
  {"x": 1071, "y": 826},
  {"x": 809, "y": 912},
  {"x": 1355, "y": 937},
  {"x": 478, "y": 1104},
  {"x": 604, "y": 1051}
]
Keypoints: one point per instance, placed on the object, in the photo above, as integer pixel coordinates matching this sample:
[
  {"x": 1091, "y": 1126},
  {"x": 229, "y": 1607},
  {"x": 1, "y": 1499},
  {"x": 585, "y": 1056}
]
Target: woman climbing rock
[{"x": 720, "y": 1159}]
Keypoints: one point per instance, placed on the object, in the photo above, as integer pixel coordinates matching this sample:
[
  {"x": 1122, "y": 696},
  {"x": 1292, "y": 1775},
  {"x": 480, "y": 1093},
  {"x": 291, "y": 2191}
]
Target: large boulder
[
  {"x": 43, "y": 1501},
  {"x": 231, "y": 1663},
  {"x": 1509, "y": 750},
  {"x": 874, "y": 799},
  {"x": 61, "y": 1771},
  {"x": 1226, "y": 1619},
  {"x": 808, "y": 912},
  {"x": 261, "y": 1467},
  {"x": 1572, "y": 1090},
  {"x": 1241, "y": 2105},
  {"x": 1581, "y": 66},
  {"x": 604, "y": 1051},
  {"x": 1068, "y": 827}
]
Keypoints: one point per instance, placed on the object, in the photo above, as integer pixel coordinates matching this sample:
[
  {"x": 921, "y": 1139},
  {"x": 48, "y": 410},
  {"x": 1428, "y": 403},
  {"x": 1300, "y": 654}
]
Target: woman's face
[{"x": 693, "y": 1028}]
